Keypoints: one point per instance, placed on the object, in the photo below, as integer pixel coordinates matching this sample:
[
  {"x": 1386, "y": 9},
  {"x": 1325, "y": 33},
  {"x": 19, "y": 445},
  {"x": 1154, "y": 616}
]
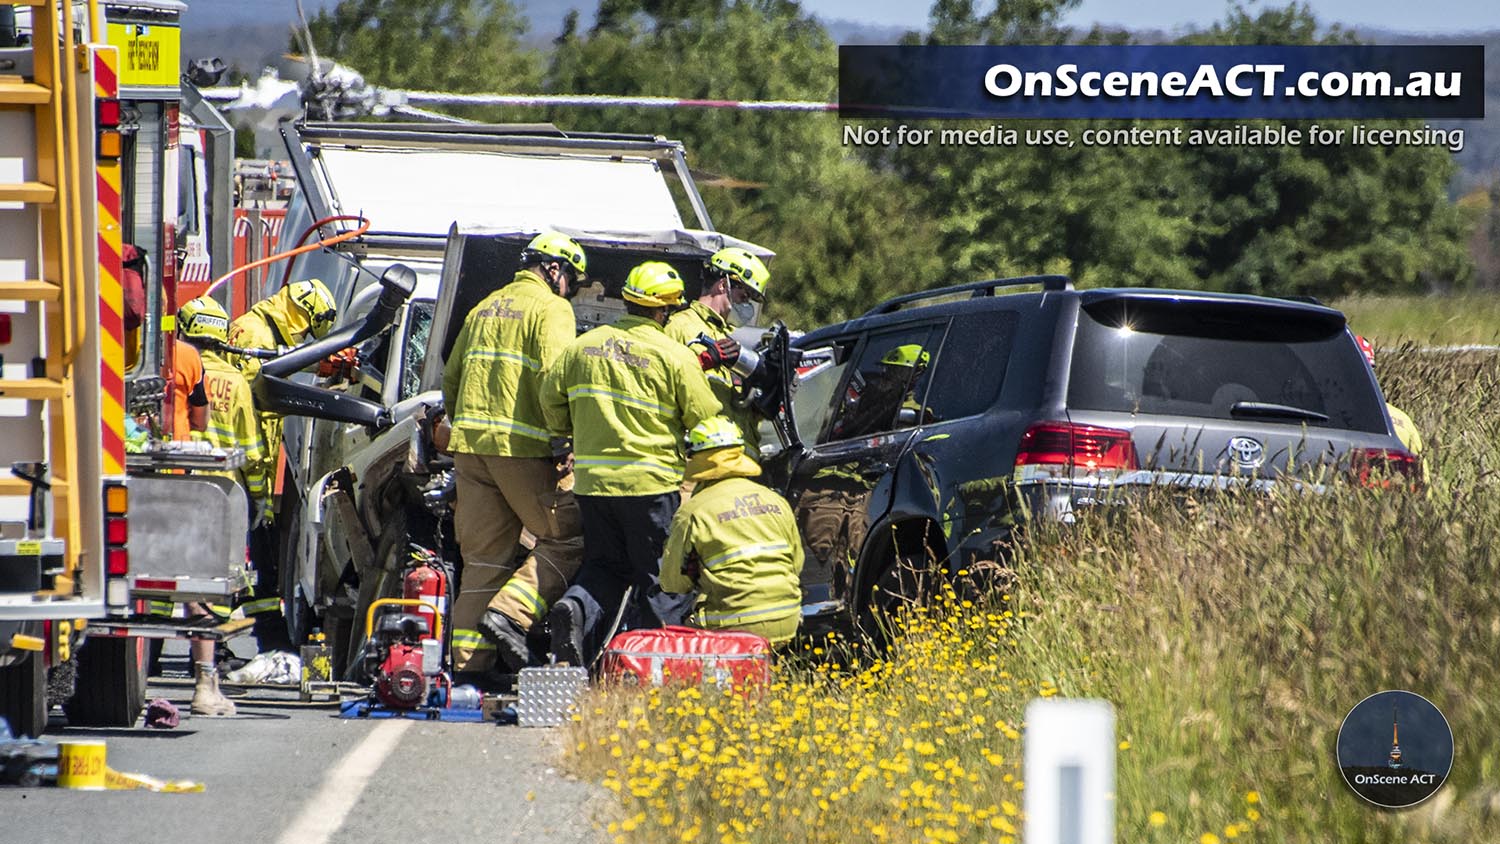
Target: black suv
[{"x": 926, "y": 428}]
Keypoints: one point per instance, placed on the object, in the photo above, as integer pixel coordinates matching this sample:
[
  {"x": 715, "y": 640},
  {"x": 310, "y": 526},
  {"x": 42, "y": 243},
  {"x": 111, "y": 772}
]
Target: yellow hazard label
[
  {"x": 149, "y": 54},
  {"x": 29, "y": 548},
  {"x": 169, "y": 323}
]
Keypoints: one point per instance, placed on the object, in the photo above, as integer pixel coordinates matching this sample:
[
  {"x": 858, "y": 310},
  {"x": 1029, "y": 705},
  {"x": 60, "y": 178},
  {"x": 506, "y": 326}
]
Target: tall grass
[
  {"x": 1436, "y": 320},
  {"x": 1232, "y": 635}
]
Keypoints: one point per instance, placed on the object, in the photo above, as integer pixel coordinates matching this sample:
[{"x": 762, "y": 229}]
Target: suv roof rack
[{"x": 981, "y": 289}]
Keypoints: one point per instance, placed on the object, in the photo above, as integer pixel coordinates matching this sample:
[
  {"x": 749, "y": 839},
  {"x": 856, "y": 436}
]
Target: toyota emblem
[{"x": 1246, "y": 452}]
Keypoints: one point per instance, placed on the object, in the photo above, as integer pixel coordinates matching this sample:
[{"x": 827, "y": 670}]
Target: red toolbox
[{"x": 723, "y": 658}]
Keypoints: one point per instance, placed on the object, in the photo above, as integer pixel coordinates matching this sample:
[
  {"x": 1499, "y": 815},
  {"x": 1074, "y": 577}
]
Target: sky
[{"x": 1436, "y": 16}]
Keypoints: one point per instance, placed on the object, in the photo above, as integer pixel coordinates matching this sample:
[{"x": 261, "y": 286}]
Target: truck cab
[{"x": 355, "y": 496}]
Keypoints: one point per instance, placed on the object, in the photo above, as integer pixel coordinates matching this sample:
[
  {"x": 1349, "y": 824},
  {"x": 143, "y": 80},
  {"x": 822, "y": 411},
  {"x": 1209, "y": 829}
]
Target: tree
[
  {"x": 436, "y": 45},
  {"x": 1320, "y": 220},
  {"x": 846, "y": 236},
  {"x": 1323, "y": 220}
]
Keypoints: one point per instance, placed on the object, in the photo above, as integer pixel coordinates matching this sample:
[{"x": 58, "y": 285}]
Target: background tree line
[{"x": 852, "y": 226}]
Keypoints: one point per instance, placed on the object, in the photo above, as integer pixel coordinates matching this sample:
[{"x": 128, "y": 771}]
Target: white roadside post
[{"x": 1070, "y": 772}]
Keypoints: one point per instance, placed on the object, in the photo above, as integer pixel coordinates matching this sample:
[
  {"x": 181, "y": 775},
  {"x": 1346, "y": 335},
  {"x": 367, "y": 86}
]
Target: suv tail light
[
  {"x": 1086, "y": 449},
  {"x": 1378, "y": 467}
]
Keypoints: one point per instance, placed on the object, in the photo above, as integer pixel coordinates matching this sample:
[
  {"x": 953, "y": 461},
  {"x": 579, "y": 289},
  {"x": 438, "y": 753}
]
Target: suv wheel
[{"x": 904, "y": 583}]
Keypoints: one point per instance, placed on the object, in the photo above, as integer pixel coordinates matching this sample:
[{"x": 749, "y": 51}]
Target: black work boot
[
  {"x": 565, "y": 623},
  {"x": 508, "y": 638}
]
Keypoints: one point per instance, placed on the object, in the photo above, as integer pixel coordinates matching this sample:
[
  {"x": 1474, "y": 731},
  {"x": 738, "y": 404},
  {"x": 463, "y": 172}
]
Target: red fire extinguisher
[{"x": 425, "y": 580}]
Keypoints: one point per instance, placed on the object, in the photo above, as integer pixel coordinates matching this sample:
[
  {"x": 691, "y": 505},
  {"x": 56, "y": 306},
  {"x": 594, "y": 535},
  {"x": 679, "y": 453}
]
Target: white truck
[{"x": 455, "y": 204}]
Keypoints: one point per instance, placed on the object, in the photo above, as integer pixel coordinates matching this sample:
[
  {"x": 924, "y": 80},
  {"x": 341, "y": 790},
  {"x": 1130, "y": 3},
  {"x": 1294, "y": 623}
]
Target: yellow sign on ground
[{"x": 150, "y": 54}]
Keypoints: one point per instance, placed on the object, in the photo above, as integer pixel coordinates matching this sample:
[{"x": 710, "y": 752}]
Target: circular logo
[
  {"x": 1246, "y": 452},
  {"x": 1395, "y": 749}
]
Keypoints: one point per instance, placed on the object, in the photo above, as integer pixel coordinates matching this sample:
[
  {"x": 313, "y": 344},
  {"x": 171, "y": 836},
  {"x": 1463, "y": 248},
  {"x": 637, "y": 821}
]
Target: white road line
[{"x": 324, "y": 813}]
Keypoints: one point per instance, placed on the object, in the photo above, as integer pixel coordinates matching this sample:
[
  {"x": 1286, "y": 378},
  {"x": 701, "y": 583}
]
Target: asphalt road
[{"x": 281, "y": 772}]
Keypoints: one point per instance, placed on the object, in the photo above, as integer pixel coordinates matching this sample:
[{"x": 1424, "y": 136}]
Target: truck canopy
[{"x": 418, "y": 180}]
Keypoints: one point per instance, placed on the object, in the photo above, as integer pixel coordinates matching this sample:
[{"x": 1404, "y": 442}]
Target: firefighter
[
  {"x": 875, "y": 399},
  {"x": 189, "y": 402},
  {"x": 286, "y": 318},
  {"x": 626, "y": 393},
  {"x": 231, "y": 423},
  {"x": 734, "y": 283},
  {"x": 1406, "y": 429},
  {"x": 508, "y": 473},
  {"x": 735, "y": 542}
]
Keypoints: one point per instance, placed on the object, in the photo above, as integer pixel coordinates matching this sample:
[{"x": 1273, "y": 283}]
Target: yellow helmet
[
  {"x": 714, "y": 432},
  {"x": 743, "y": 267},
  {"x": 313, "y": 297},
  {"x": 203, "y": 319},
  {"x": 558, "y": 245},
  {"x": 911, "y": 354},
  {"x": 653, "y": 284}
]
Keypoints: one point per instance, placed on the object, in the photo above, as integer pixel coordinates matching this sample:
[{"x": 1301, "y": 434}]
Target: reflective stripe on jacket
[
  {"x": 626, "y": 393},
  {"x": 685, "y": 326},
  {"x": 492, "y": 379},
  {"x": 232, "y": 422},
  {"x": 749, "y": 554}
]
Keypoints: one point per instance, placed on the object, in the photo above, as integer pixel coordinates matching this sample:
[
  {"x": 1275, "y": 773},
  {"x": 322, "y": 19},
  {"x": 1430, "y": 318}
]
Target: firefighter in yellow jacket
[
  {"x": 284, "y": 319},
  {"x": 626, "y": 393},
  {"x": 506, "y": 466},
  {"x": 299, "y": 311},
  {"x": 231, "y": 424},
  {"x": 735, "y": 542},
  {"x": 734, "y": 283}
]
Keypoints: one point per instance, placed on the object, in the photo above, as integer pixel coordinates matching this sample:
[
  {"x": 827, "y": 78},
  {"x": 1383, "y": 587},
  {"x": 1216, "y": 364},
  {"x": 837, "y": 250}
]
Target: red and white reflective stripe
[
  {"x": 107, "y": 177},
  {"x": 196, "y": 270},
  {"x": 601, "y": 100}
]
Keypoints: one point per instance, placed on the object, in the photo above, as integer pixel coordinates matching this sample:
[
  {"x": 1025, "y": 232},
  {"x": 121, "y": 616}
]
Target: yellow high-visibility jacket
[
  {"x": 492, "y": 378},
  {"x": 270, "y": 323},
  {"x": 1406, "y": 430},
  {"x": 232, "y": 422},
  {"x": 627, "y": 394},
  {"x": 743, "y": 539},
  {"x": 685, "y": 326},
  {"x": 274, "y": 322}
]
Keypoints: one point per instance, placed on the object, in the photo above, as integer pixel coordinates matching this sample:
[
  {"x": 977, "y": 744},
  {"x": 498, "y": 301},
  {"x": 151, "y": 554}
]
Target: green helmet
[
  {"x": 558, "y": 246},
  {"x": 714, "y": 432},
  {"x": 910, "y": 355},
  {"x": 313, "y": 297},
  {"x": 654, "y": 284},
  {"x": 743, "y": 267},
  {"x": 203, "y": 319}
]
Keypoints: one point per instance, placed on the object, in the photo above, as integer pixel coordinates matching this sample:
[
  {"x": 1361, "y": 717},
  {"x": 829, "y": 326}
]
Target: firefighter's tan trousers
[{"x": 497, "y": 497}]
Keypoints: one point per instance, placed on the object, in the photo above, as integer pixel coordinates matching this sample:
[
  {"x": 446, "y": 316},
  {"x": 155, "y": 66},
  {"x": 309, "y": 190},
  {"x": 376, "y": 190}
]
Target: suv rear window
[{"x": 1172, "y": 360}]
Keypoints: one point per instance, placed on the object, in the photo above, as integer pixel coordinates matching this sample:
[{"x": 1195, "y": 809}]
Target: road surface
[{"x": 282, "y": 772}]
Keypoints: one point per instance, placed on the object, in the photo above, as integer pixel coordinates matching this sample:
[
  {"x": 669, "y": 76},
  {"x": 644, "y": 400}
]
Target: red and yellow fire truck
[{"x": 100, "y": 146}]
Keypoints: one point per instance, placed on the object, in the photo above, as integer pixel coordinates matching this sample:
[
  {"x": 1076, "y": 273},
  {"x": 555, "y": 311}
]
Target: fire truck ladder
[{"x": 42, "y": 225}]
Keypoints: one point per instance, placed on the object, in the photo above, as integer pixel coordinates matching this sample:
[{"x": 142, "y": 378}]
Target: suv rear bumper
[{"x": 1059, "y": 498}]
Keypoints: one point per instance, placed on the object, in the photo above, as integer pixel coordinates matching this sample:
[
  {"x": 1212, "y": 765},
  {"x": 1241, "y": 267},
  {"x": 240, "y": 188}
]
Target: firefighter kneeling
[{"x": 734, "y": 541}]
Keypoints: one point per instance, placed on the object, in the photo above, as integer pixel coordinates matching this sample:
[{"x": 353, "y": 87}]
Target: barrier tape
[{"x": 602, "y": 100}]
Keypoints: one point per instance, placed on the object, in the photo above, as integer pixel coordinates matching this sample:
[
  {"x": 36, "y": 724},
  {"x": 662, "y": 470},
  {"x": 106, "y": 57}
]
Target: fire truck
[{"x": 100, "y": 146}]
